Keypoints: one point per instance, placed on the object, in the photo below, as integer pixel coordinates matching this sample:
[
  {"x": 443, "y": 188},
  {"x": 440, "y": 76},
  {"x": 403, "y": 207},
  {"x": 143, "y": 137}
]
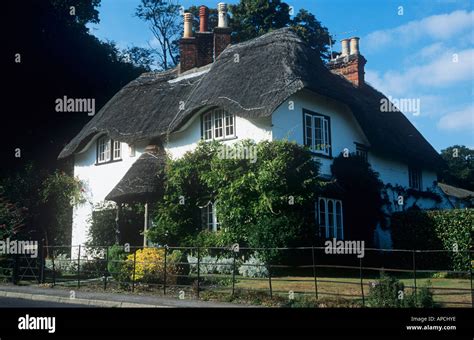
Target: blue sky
[{"x": 427, "y": 53}]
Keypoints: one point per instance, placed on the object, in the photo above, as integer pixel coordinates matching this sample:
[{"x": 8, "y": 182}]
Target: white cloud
[
  {"x": 458, "y": 120},
  {"x": 438, "y": 27},
  {"x": 439, "y": 73}
]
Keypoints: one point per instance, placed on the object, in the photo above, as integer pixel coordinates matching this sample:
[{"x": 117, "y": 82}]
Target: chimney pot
[
  {"x": 344, "y": 47},
  {"x": 222, "y": 17},
  {"x": 203, "y": 18},
  {"x": 188, "y": 27},
  {"x": 355, "y": 45}
]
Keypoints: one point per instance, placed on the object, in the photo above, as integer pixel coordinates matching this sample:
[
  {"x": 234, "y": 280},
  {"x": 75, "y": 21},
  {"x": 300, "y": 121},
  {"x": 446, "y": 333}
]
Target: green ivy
[{"x": 450, "y": 230}]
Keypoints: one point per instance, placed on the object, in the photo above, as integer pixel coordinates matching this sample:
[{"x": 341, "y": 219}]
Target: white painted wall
[
  {"x": 186, "y": 140},
  {"x": 288, "y": 124},
  {"x": 98, "y": 181}
]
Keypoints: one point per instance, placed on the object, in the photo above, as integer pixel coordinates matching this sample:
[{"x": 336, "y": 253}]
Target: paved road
[{"x": 6, "y": 302}]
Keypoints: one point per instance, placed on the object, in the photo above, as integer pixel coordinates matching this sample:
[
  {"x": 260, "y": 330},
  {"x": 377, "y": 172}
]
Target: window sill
[
  {"x": 108, "y": 162},
  {"x": 220, "y": 139},
  {"x": 316, "y": 154}
]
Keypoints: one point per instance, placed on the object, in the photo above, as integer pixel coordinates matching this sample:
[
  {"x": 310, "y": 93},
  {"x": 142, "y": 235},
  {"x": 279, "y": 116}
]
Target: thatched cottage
[{"x": 269, "y": 88}]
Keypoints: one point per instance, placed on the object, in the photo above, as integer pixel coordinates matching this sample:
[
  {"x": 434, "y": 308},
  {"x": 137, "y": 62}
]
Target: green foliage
[
  {"x": 280, "y": 185},
  {"x": 116, "y": 260},
  {"x": 252, "y": 18},
  {"x": 102, "y": 231},
  {"x": 310, "y": 30},
  {"x": 362, "y": 197},
  {"x": 12, "y": 218},
  {"x": 255, "y": 266},
  {"x": 386, "y": 292},
  {"x": 48, "y": 199},
  {"x": 389, "y": 292},
  {"x": 459, "y": 170},
  {"x": 439, "y": 229}
]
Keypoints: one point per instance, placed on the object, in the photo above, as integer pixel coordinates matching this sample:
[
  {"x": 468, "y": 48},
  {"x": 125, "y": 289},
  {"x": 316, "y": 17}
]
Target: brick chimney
[
  {"x": 350, "y": 63},
  {"x": 188, "y": 46},
  {"x": 205, "y": 52},
  {"x": 222, "y": 31},
  {"x": 203, "y": 48}
]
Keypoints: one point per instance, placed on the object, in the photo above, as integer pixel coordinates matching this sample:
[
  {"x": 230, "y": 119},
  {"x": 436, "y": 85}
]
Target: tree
[
  {"x": 166, "y": 25},
  {"x": 252, "y": 18},
  {"x": 459, "y": 170},
  {"x": 310, "y": 30},
  {"x": 139, "y": 56}
]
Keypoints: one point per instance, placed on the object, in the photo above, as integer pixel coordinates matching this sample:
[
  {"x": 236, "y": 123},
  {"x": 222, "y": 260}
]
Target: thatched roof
[
  {"x": 456, "y": 192},
  {"x": 269, "y": 70},
  {"x": 142, "y": 182}
]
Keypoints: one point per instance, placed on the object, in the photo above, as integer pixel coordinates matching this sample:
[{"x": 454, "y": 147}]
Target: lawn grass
[{"x": 350, "y": 287}]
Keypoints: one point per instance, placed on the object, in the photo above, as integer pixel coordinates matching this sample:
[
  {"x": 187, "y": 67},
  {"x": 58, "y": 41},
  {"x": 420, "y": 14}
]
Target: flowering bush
[
  {"x": 253, "y": 267},
  {"x": 150, "y": 264},
  {"x": 211, "y": 265}
]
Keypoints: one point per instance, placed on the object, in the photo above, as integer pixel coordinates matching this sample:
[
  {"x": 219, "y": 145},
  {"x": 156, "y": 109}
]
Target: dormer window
[
  {"x": 317, "y": 133},
  {"x": 218, "y": 124},
  {"x": 108, "y": 150}
]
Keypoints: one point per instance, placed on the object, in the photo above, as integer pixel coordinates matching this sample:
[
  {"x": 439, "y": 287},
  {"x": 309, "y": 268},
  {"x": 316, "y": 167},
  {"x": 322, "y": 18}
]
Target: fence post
[
  {"x": 470, "y": 271},
  {"x": 233, "y": 274},
  {"x": 134, "y": 266},
  {"x": 414, "y": 271},
  {"x": 15, "y": 269},
  {"x": 41, "y": 276},
  {"x": 79, "y": 267},
  {"x": 314, "y": 273},
  {"x": 198, "y": 272},
  {"x": 361, "y": 281},
  {"x": 270, "y": 280},
  {"x": 54, "y": 267},
  {"x": 164, "y": 274},
  {"x": 106, "y": 270}
]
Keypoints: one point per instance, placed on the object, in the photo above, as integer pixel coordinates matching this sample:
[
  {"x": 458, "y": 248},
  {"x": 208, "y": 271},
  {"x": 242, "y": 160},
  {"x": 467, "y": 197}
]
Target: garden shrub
[
  {"x": 254, "y": 267},
  {"x": 438, "y": 229},
  {"x": 150, "y": 264},
  {"x": 63, "y": 264},
  {"x": 390, "y": 292},
  {"x": 116, "y": 261},
  {"x": 211, "y": 265},
  {"x": 280, "y": 184}
]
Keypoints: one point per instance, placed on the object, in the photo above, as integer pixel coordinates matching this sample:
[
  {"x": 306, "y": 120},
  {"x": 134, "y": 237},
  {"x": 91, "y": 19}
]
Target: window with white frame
[
  {"x": 317, "y": 133},
  {"x": 209, "y": 217},
  {"x": 108, "y": 150},
  {"x": 329, "y": 216},
  {"x": 117, "y": 150},
  {"x": 414, "y": 176},
  {"x": 218, "y": 124}
]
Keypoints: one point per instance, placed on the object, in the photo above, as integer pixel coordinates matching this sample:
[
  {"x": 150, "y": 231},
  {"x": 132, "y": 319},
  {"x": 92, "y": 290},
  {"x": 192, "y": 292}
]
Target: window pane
[
  {"x": 218, "y": 124},
  {"x": 326, "y": 137},
  {"x": 339, "y": 220},
  {"x": 207, "y": 126},
  {"x": 308, "y": 131},
  {"x": 331, "y": 218},
  {"x": 117, "y": 150},
  {"x": 229, "y": 124}
]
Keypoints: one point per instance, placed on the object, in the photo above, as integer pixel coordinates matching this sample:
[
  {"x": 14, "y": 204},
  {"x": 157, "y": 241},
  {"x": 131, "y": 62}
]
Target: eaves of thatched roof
[
  {"x": 142, "y": 182},
  {"x": 250, "y": 79}
]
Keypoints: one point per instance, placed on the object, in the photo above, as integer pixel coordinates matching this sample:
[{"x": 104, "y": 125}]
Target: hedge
[{"x": 438, "y": 229}]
